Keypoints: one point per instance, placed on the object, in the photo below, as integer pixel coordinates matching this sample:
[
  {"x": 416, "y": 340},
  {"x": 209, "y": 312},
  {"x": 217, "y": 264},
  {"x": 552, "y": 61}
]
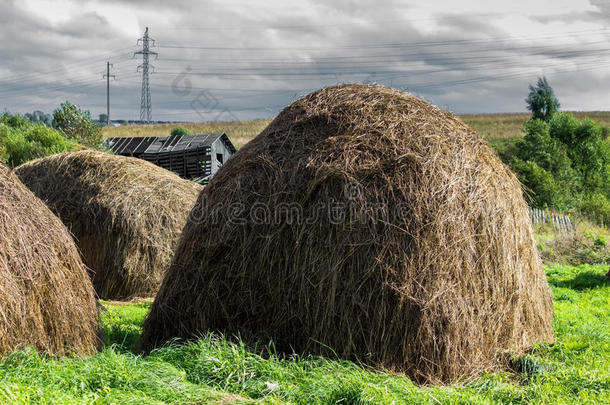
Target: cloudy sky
[{"x": 226, "y": 60}]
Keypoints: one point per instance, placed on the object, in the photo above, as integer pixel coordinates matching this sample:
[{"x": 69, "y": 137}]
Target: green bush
[
  {"x": 600, "y": 240},
  {"x": 543, "y": 191},
  {"x": 539, "y": 146},
  {"x": 565, "y": 163},
  {"x": 597, "y": 208},
  {"x": 586, "y": 148},
  {"x": 77, "y": 125},
  {"x": 14, "y": 121},
  {"x": 563, "y": 127},
  {"x": 179, "y": 131},
  {"x": 23, "y": 143}
]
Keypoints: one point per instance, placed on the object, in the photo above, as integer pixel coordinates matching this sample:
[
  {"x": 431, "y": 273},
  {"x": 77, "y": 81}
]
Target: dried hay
[
  {"x": 365, "y": 220},
  {"x": 46, "y": 298},
  {"x": 125, "y": 213}
]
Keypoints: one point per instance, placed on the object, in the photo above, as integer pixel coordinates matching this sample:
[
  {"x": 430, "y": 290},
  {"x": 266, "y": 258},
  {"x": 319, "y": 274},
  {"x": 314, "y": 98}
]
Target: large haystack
[
  {"x": 366, "y": 221},
  {"x": 46, "y": 297},
  {"x": 126, "y": 215}
]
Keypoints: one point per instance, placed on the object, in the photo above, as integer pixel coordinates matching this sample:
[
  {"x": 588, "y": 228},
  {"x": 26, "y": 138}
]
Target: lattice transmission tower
[{"x": 145, "y": 103}]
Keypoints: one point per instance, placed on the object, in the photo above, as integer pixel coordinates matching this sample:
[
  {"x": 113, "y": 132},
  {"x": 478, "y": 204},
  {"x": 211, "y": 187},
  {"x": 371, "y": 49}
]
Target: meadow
[
  {"x": 574, "y": 369},
  {"x": 498, "y": 129}
]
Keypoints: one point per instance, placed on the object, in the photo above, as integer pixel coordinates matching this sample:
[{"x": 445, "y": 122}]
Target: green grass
[{"x": 576, "y": 369}]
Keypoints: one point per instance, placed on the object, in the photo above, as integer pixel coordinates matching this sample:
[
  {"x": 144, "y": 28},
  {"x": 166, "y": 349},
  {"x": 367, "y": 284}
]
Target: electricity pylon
[{"x": 145, "y": 103}]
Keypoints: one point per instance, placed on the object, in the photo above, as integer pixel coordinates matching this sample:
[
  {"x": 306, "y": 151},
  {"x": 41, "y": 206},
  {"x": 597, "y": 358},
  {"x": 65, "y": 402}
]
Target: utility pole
[
  {"x": 107, "y": 76},
  {"x": 145, "y": 108}
]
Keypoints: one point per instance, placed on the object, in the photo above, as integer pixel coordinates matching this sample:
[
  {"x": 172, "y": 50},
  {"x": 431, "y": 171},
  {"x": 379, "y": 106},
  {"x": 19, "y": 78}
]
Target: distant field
[
  {"x": 499, "y": 129},
  {"x": 503, "y": 130}
]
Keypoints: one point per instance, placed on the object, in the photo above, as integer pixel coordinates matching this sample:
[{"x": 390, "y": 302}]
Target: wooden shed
[{"x": 189, "y": 156}]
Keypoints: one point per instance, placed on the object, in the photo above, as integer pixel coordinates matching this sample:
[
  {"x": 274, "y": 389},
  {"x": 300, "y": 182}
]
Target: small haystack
[
  {"x": 126, "y": 215},
  {"x": 366, "y": 221},
  {"x": 46, "y": 297}
]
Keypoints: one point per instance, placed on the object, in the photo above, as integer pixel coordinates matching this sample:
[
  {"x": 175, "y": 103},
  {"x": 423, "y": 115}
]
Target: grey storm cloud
[
  {"x": 465, "y": 24},
  {"x": 601, "y": 14},
  {"x": 603, "y": 6},
  {"x": 224, "y": 61},
  {"x": 92, "y": 23}
]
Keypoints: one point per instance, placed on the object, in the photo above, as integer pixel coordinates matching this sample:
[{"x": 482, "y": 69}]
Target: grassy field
[
  {"x": 575, "y": 369},
  {"x": 499, "y": 129}
]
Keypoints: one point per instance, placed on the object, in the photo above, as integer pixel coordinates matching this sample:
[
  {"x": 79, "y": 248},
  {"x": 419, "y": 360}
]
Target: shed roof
[{"x": 164, "y": 144}]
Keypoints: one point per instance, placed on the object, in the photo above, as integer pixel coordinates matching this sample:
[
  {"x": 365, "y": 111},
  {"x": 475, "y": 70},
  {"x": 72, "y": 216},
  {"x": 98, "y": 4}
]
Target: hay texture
[
  {"x": 126, "y": 215},
  {"x": 365, "y": 220},
  {"x": 46, "y": 297}
]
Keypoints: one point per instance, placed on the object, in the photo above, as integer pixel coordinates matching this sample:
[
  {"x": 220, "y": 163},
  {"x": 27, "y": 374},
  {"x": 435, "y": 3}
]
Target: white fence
[{"x": 560, "y": 222}]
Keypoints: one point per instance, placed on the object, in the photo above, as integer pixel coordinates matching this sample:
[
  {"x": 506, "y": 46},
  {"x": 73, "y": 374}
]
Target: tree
[
  {"x": 588, "y": 151},
  {"x": 541, "y": 100},
  {"x": 565, "y": 163},
  {"x": 77, "y": 125},
  {"x": 539, "y": 146},
  {"x": 543, "y": 190},
  {"x": 179, "y": 131}
]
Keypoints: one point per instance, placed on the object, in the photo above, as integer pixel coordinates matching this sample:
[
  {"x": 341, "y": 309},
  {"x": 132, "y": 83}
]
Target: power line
[
  {"x": 424, "y": 55},
  {"x": 493, "y": 40},
  {"x": 82, "y": 62}
]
